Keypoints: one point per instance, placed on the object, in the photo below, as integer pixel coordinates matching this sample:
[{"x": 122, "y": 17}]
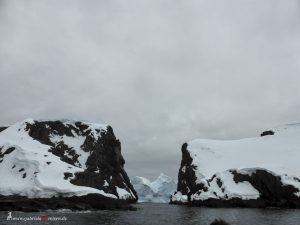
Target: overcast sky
[{"x": 161, "y": 72}]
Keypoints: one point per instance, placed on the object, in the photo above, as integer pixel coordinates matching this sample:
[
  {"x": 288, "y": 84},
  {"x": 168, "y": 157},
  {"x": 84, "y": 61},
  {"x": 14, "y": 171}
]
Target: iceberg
[{"x": 158, "y": 191}]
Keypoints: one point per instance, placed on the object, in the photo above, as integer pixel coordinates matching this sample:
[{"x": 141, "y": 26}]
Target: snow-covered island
[
  {"x": 157, "y": 191},
  {"x": 253, "y": 172},
  {"x": 62, "y": 164}
]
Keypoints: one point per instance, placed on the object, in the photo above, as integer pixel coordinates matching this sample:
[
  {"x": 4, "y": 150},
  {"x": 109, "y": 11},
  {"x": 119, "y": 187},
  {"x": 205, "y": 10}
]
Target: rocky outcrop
[
  {"x": 212, "y": 174},
  {"x": 63, "y": 162},
  {"x": 86, "y": 202},
  {"x": 2, "y": 128},
  {"x": 186, "y": 175},
  {"x": 267, "y": 132},
  {"x": 219, "y": 222}
]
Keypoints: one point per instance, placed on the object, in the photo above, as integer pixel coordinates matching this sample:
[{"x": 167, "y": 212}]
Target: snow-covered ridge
[
  {"x": 279, "y": 153},
  {"x": 158, "y": 191},
  {"x": 42, "y": 158},
  {"x": 231, "y": 169}
]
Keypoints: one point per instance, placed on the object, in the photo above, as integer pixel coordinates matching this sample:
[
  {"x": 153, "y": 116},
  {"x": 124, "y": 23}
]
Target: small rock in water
[{"x": 219, "y": 222}]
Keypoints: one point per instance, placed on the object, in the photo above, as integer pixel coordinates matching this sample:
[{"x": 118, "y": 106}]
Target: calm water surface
[{"x": 149, "y": 213}]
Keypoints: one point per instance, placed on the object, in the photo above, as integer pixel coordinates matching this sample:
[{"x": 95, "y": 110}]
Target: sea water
[{"x": 150, "y": 213}]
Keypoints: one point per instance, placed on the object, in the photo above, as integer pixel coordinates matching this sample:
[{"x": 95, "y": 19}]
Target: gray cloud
[{"x": 160, "y": 72}]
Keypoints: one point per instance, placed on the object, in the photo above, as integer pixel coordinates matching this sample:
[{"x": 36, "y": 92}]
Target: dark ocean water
[{"x": 149, "y": 213}]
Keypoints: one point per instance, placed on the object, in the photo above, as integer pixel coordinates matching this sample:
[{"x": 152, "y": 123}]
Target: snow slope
[
  {"x": 28, "y": 168},
  {"x": 215, "y": 162},
  {"x": 158, "y": 191},
  {"x": 278, "y": 153}
]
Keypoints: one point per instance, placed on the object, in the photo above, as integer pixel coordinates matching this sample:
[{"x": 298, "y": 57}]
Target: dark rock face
[
  {"x": 273, "y": 192},
  {"x": 107, "y": 159},
  {"x": 2, "y": 128},
  {"x": 267, "y": 132},
  {"x": 186, "y": 175},
  {"x": 105, "y": 162},
  {"x": 103, "y": 168}
]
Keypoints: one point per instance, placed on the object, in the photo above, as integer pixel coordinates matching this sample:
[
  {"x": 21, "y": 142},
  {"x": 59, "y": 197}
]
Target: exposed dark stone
[
  {"x": 2, "y": 128},
  {"x": 9, "y": 150},
  {"x": 103, "y": 170},
  {"x": 273, "y": 193},
  {"x": 212, "y": 178},
  {"x": 186, "y": 175},
  {"x": 219, "y": 222},
  {"x": 67, "y": 175},
  {"x": 41, "y": 130},
  {"x": 105, "y": 162},
  {"x": 268, "y": 132},
  {"x": 63, "y": 151},
  {"x": 86, "y": 202},
  {"x": 219, "y": 182},
  {"x": 271, "y": 189}
]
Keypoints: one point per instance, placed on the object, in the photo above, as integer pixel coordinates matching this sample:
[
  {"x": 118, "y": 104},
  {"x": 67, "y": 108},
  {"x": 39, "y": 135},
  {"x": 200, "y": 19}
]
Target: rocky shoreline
[{"x": 74, "y": 203}]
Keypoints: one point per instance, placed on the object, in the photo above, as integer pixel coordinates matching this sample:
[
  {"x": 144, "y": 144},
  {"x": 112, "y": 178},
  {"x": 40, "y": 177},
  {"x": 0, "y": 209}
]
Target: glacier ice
[{"x": 158, "y": 191}]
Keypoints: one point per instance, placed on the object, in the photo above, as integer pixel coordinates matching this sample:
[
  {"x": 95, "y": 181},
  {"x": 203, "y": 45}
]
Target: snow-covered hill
[
  {"x": 158, "y": 191},
  {"x": 260, "y": 171},
  {"x": 63, "y": 158}
]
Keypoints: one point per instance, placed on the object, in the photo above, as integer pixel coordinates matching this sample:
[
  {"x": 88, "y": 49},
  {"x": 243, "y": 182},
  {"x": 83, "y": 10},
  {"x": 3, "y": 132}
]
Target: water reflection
[{"x": 164, "y": 214}]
